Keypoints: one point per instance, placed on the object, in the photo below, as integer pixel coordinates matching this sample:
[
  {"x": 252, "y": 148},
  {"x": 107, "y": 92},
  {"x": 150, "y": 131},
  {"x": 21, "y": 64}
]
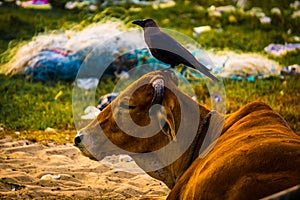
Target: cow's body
[{"x": 256, "y": 155}]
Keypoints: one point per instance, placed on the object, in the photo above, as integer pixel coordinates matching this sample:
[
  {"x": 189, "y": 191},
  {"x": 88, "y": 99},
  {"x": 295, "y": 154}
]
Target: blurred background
[{"x": 254, "y": 45}]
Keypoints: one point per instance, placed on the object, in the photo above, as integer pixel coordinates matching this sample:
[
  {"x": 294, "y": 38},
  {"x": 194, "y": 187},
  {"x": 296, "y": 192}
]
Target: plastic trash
[
  {"x": 53, "y": 64},
  {"x": 87, "y": 83},
  {"x": 106, "y": 100},
  {"x": 90, "y": 112},
  {"x": 291, "y": 70},
  {"x": 202, "y": 29},
  {"x": 281, "y": 49},
  {"x": 35, "y": 4}
]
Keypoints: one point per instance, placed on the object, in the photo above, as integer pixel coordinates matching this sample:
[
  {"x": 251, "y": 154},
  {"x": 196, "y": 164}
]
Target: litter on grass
[
  {"x": 59, "y": 56},
  {"x": 279, "y": 50},
  {"x": 91, "y": 112}
]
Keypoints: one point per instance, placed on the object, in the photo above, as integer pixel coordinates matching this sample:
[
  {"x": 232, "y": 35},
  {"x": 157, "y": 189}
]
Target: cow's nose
[{"x": 78, "y": 139}]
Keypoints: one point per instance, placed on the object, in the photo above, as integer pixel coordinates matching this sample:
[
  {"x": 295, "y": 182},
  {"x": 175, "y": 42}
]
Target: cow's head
[{"x": 149, "y": 115}]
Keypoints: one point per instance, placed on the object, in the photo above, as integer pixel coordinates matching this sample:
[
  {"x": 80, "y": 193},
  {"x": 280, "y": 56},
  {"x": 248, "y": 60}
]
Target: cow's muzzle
[{"x": 78, "y": 139}]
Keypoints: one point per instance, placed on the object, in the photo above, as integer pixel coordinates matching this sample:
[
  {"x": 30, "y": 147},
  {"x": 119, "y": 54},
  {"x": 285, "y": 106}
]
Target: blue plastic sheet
[
  {"x": 54, "y": 64},
  {"x": 60, "y": 64}
]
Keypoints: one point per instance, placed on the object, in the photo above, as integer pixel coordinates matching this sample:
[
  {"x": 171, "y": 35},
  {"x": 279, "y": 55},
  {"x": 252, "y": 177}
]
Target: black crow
[{"x": 164, "y": 48}]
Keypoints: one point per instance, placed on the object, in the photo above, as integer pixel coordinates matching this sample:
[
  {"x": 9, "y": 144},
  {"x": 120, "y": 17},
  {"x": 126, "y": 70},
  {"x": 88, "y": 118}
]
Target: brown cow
[{"x": 256, "y": 155}]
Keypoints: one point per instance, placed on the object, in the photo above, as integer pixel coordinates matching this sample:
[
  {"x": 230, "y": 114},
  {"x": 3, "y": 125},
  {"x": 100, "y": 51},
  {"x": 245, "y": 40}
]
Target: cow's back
[{"x": 257, "y": 155}]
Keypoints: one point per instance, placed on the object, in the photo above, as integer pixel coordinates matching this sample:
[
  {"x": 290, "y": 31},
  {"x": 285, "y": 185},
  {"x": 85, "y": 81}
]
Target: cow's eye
[{"x": 125, "y": 105}]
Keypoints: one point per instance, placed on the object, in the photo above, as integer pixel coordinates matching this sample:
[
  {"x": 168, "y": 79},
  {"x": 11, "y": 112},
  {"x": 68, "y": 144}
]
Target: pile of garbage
[
  {"x": 246, "y": 66},
  {"x": 53, "y": 64},
  {"x": 106, "y": 46},
  {"x": 69, "y": 46}
]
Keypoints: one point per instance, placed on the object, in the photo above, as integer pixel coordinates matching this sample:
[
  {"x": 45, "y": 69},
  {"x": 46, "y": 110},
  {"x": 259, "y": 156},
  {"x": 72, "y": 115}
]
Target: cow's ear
[{"x": 167, "y": 123}]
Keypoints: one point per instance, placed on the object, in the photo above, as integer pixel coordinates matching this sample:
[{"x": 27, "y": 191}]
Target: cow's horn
[{"x": 159, "y": 87}]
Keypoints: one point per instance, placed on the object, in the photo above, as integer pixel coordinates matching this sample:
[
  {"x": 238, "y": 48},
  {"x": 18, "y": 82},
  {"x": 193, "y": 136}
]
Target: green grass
[
  {"x": 30, "y": 107},
  {"x": 9, "y": 184},
  {"x": 281, "y": 94}
]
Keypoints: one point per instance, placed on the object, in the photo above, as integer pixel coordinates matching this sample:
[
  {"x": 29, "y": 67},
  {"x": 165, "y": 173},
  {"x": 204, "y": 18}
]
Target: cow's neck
[
  {"x": 171, "y": 173},
  {"x": 177, "y": 168}
]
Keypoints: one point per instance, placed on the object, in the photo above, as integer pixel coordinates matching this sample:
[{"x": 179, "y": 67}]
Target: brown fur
[{"x": 256, "y": 155}]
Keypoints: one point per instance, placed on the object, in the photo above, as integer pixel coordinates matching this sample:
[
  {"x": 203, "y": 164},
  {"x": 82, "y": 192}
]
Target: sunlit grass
[
  {"x": 30, "y": 107},
  {"x": 281, "y": 94}
]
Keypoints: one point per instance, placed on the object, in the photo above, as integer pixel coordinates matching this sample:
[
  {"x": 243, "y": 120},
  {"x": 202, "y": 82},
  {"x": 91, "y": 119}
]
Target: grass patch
[
  {"x": 28, "y": 108},
  {"x": 282, "y": 95},
  {"x": 31, "y": 107},
  {"x": 19, "y": 25},
  {"x": 11, "y": 185}
]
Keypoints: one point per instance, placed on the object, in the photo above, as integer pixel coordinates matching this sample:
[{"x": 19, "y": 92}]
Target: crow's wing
[{"x": 173, "y": 52}]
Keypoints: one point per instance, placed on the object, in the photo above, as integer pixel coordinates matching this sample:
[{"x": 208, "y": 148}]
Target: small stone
[
  {"x": 50, "y": 177},
  {"x": 125, "y": 158},
  {"x": 50, "y": 130}
]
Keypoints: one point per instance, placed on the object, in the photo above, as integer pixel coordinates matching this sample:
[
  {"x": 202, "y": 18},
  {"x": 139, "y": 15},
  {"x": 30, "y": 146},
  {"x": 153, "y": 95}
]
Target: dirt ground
[{"x": 35, "y": 171}]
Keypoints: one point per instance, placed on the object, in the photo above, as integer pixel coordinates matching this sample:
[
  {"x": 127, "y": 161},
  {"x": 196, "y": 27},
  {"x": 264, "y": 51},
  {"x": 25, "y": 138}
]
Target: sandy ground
[{"x": 35, "y": 171}]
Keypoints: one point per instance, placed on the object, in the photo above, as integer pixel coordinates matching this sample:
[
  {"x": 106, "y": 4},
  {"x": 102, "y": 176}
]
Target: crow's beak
[{"x": 138, "y": 22}]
